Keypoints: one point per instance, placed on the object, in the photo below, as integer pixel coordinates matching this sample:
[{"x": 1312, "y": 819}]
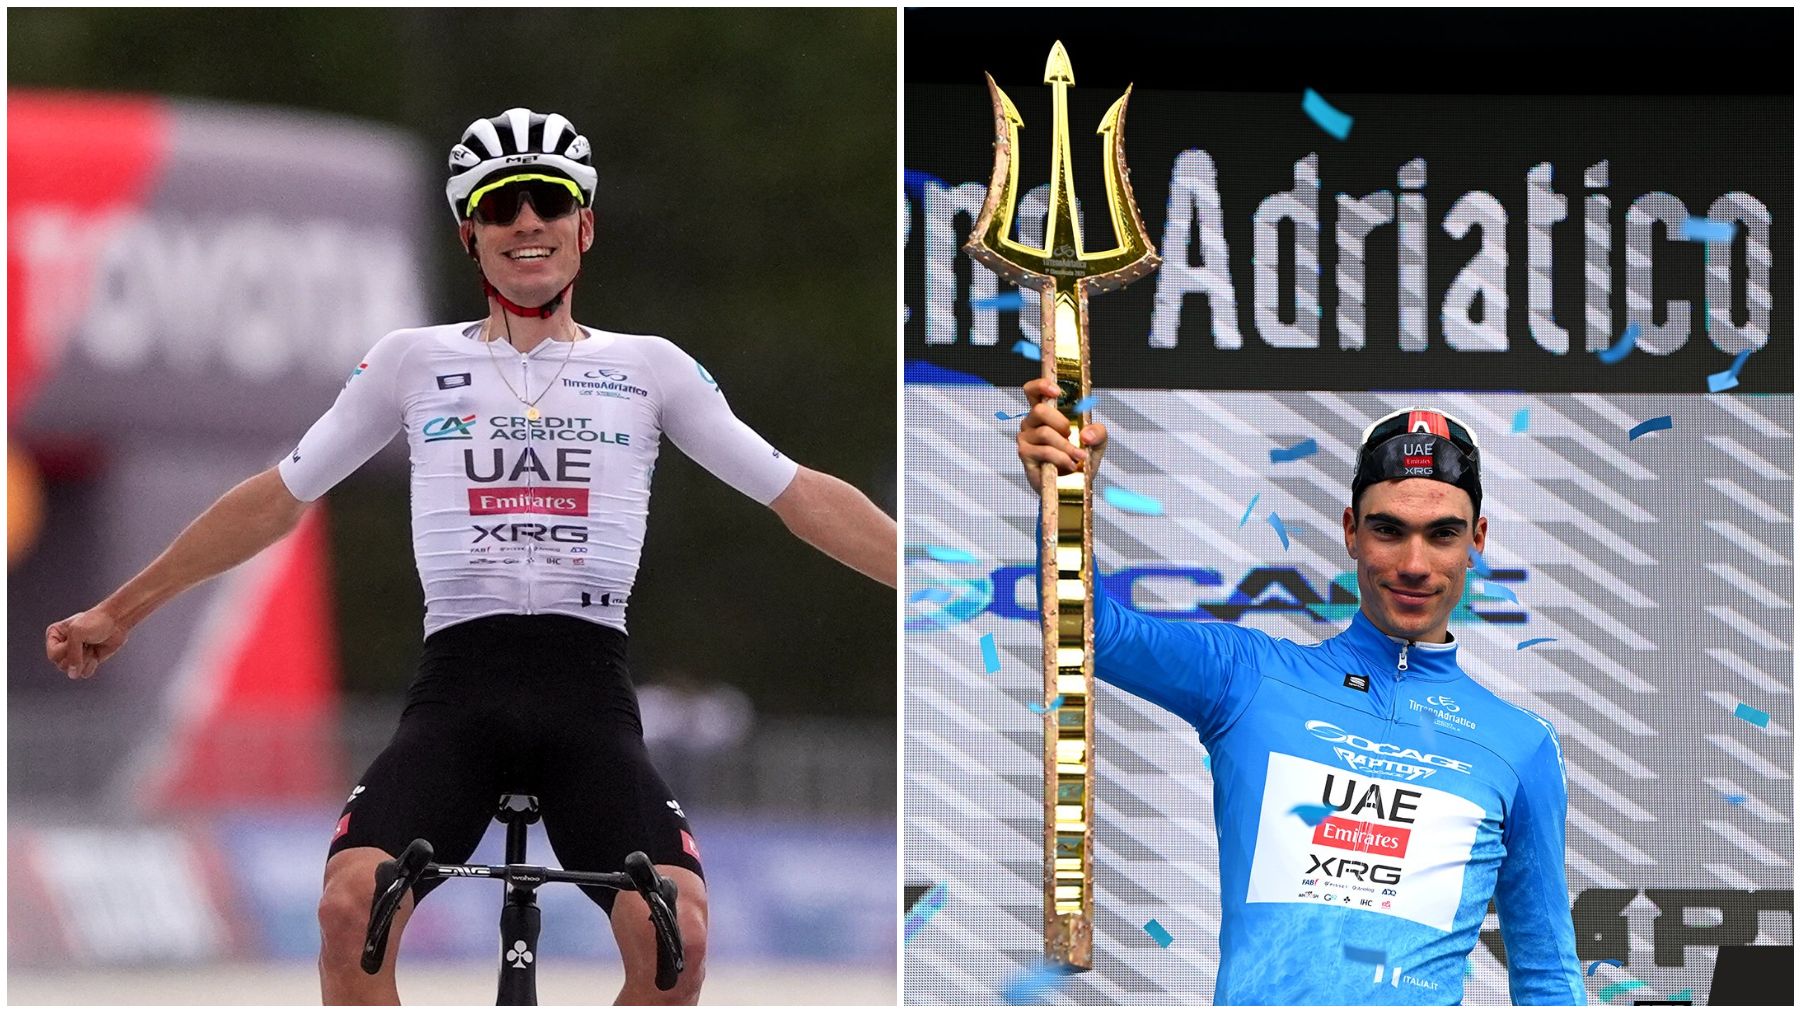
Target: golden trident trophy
[{"x": 1064, "y": 274}]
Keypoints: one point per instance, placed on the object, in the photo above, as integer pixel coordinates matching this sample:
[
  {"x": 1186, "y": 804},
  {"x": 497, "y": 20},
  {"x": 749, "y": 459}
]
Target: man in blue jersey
[{"x": 1370, "y": 798}]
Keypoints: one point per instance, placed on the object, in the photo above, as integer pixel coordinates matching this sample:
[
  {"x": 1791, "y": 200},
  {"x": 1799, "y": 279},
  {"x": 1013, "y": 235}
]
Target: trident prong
[
  {"x": 1064, "y": 273},
  {"x": 1061, "y": 261}
]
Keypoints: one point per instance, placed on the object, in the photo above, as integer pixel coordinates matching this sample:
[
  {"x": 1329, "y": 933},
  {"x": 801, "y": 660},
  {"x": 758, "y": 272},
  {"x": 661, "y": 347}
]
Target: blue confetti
[
  {"x": 990, "y": 655},
  {"x": 921, "y": 912},
  {"x": 1034, "y": 985},
  {"x": 1534, "y": 640},
  {"x": 947, "y": 555},
  {"x": 1481, "y": 565},
  {"x": 1626, "y": 343},
  {"x": 1685, "y": 995},
  {"x": 1736, "y": 799},
  {"x": 1656, "y": 424},
  {"x": 1004, "y": 301},
  {"x": 1728, "y": 379},
  {"x": 1596, "y": 964},
  {"x": 1362, "y": 956},
  {"x": 1330, "y": 120},
  {"x": 1082, "y": 406},
  {"x": 1305, "y": 448},
  {"x": 1489, "y": 589},
  {"x": 1158, "y": 933},
  {"x": 1131, "y": 502},
  {"x": 1002, "y": 416},
  {"x": 1312, "y": 815},
  {"x": 1521, "y": 420},
  {"x": 1607, "y": 993},
  {"x": 1707, "y": 230},
  {"x": 1280, "y": 529},
  {"x": 1249, "y": 508},
  {"x": 1038, "y": 708},
  {"x": 936, "y": 594},
  {"x": 1027, "y": 349},
  {"x": 1206, "y": 761},
  {"x": 1752, "y": 715},
  {"x": 968, "y": 599}
]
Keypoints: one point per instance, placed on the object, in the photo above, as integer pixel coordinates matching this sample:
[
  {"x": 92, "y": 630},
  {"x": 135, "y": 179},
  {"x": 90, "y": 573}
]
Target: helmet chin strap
[{"x": 546, "y": 310}]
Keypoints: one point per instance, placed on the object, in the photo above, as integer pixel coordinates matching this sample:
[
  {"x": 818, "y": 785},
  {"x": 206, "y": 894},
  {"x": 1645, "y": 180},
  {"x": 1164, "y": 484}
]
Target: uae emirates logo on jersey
[
  {"x": 1356, "y": 835},
  {"x": 1404, "y": 848},
  {"x": 529, "y": 500}
]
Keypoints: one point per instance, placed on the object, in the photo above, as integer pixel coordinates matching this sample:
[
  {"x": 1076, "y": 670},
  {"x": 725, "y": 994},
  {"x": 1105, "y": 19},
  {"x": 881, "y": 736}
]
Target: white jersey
[{"x": 515, "y": 515}]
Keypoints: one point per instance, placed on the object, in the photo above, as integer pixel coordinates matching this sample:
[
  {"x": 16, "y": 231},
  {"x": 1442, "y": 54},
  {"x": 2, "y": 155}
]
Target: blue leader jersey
[{"x": 1370, "y": 799}]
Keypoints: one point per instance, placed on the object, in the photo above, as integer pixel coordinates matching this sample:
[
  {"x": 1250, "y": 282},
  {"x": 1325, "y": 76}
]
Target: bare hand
[
  {"x": 1044, "y": 437},
  {"x": 78, "y": 644}
]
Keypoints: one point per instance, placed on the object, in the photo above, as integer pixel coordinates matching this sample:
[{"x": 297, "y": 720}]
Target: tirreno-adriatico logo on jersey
[
  {"x": 1444, "y": 709},
  {"x": 448, "y": 427},
  {"x": 605, "y": 383}
]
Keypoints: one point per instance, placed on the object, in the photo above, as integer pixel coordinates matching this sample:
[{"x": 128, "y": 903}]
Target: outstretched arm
[
  {"x": 244, "y": 521},
  {"x": 249, "y": 518},
  {"x": 834, "y": 517}
]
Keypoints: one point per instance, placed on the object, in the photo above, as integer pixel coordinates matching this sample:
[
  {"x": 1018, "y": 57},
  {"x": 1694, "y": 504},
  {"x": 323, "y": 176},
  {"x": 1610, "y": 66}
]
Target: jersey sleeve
[
  {"x": 697, "y": 417},
  {"x": 1205, "y": 673},
  {"x": 1532, "y": 895},
  {"x": 364, "y": 418}
]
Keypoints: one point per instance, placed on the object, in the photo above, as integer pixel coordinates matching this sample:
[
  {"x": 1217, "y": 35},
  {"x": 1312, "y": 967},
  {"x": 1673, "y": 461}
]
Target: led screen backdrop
[
  {"x": 1471, "y": 252},
  {"x": 1468, "y": 242}
]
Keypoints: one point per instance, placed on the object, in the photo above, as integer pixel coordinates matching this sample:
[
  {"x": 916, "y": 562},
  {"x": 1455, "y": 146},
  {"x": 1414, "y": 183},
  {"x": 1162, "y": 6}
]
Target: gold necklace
[{"x": 531, "y": 408}]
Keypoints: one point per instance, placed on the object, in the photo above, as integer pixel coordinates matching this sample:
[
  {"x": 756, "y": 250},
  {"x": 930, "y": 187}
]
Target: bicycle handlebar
[{"x": 397, "y": 875}]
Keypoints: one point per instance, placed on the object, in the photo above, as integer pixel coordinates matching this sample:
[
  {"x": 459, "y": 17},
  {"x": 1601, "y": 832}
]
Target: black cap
[{"x": 1419, "y": 443}]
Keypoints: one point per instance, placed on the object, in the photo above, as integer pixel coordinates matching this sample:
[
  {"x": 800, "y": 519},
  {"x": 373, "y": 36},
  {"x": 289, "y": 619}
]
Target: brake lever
[
  {"x": 392, "y": 879},
  {"x": 660, "y": 895}
]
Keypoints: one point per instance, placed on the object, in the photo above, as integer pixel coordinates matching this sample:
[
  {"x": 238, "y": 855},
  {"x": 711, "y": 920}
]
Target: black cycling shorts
[{"x": 530, "y": 705}]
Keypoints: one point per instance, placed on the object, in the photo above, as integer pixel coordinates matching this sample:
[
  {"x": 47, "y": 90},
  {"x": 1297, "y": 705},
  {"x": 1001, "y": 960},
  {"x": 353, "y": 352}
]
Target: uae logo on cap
[{"x": 1418, "y": 455}]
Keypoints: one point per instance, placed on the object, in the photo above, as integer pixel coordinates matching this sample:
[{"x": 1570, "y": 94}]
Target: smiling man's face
[
  {"x": 1411, "y": 544},
  {"x": 530, "y": 260}
]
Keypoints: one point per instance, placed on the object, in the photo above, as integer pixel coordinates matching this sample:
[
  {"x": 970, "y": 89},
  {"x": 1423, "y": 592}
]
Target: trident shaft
[{"x": 1064, "y": 273}]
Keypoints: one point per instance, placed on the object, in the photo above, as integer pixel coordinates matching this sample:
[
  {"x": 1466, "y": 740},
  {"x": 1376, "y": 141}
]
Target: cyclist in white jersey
[{"x": 532, "y": 442}]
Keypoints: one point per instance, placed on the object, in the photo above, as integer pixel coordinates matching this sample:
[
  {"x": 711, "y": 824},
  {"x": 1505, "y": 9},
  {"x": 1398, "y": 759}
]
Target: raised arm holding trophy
[{"x": 1064, "y": 274}]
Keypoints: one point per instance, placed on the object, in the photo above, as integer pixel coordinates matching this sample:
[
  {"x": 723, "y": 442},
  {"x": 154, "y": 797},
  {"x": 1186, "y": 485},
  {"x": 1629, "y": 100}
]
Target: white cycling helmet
[{"x": 521, "y": 140}]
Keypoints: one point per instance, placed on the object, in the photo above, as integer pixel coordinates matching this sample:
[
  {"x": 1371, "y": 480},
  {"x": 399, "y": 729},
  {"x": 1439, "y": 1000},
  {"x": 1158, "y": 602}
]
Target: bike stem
[{"x": 520, "y": 919}]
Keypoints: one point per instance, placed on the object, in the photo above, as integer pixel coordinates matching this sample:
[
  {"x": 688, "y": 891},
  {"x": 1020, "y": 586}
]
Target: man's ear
[
  {"x": 468, "y": 238},
  {"x": 587, "y": 229}
]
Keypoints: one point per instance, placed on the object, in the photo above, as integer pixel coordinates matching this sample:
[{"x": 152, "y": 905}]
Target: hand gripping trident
[{"x": 1064, "y": 274}]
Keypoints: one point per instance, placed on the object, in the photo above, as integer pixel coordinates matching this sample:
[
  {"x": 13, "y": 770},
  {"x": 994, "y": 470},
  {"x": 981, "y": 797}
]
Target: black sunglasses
[{"x": 550, "y": 199}]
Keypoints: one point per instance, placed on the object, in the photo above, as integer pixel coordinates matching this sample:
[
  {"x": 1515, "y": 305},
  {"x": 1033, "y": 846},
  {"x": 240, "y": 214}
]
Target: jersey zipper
[
  {"x": 530, "y": 574},
  {"x": 1399, "y": 677}
]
